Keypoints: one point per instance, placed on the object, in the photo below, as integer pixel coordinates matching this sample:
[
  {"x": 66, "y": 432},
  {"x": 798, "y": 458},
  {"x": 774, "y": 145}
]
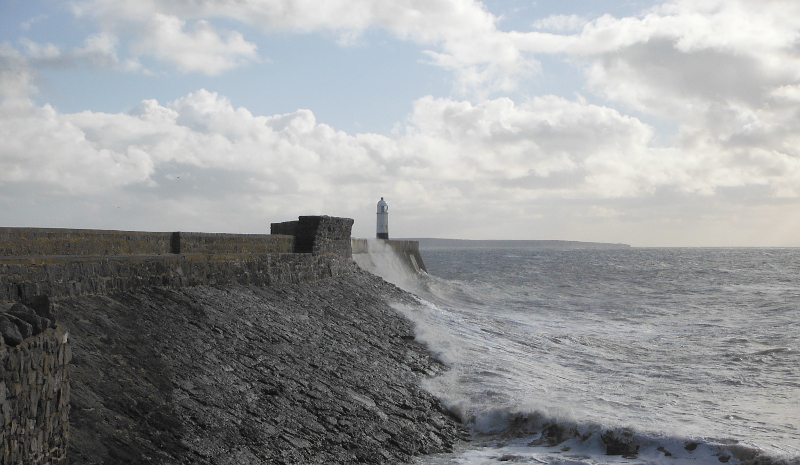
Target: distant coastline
[{"x": 433, "y": 243}]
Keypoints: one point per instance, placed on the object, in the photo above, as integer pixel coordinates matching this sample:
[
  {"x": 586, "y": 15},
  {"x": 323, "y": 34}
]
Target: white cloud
[
  {"x": 201, "y": 161},
  {"x": 495, "y": 157},
  {"x": 198, "y": 47},
  {"x": 98, "y": 51},
  {"x": 725, "y": 70},
  {"x": 46, "y": 51},
  {"x": 15, "y": 79},
  {"x": 728, "y": 72},
  {"x": 560, "y": 23},
  {"x": 461, "y": 35},
  {"x": 26, "y": 25}
]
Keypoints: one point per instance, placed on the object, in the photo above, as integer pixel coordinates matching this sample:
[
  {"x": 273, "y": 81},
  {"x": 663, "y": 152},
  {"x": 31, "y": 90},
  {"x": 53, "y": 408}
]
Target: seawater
[{"x": 692, "y": 354}]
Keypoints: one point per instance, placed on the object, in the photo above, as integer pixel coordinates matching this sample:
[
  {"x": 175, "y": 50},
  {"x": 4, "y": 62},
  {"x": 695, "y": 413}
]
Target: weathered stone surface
[
  {"x": 323, "y": 372},
  {"x": 38, "y": 324},
  {"x": 56, "y": 241},
  {"x": 34, "y": 399},
  {"x": 17, "y": 307},
  {"x": 308, "y": 370},
  {"x": 25, "y": 328},
  {"x": 69, "y": 263},
  {"x": 10, "y": 332},
  {"x": 42, "y": 306},
  {"x": 62, "y": 277},
  {"x": 318, "y": 235}
]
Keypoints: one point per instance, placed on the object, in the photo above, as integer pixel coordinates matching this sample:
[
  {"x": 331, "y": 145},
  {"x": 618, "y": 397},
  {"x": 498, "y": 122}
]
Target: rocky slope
[{"x": 312, "y": 373}]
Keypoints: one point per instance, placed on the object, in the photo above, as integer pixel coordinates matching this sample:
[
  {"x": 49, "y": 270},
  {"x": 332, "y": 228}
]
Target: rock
[
  {"x": 38, "y": 324},
  {"x": 290, "y": 374},
  {"x": 620, "y": 444},
  {"x": 18, "y": 307},
  {"x": 25, "y": 328},
  {"x": 42, "y": 306},
  {"x": 9, "y": 331},
  {"x": 553, "y": 435}
]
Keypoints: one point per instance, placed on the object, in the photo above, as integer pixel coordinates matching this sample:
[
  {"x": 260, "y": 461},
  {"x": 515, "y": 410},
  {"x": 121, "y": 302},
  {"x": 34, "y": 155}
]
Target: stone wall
[
  {"x": 26, "y": 242},
  {"x": 68, "y": 263},
  {"x": 45, "y": 241},
  {"x": 318, "y": 235},
  {"x": 324, "y": 235},
  {"x": 215, "y": 243},
  {"x": 60, "y": 277},
  {"x": 34, "y": 399},
  {"x": 55, "y": 265}
]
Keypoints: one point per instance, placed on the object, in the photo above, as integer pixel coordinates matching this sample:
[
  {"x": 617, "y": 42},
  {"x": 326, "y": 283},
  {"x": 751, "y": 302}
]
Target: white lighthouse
[{"x": 383, "y": 220}]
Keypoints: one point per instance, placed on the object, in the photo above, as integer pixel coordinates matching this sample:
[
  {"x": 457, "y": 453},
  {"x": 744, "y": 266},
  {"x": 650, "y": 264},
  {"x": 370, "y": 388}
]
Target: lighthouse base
[{"x": 382, "y": 235}]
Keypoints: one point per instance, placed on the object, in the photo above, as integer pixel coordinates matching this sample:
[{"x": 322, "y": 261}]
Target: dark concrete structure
[
  {"x": 69, "y": 263},
  {"x": 73, "y": 262},
  {"x": 407, "y": 252}
]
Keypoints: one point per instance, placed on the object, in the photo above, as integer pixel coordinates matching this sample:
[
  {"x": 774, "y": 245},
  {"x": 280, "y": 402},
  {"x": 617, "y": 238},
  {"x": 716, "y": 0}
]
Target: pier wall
[
  {"x": 65, "y": 263},
  {"x": 27, "y": 242},
  {"x": 365, "y": 251},
  {"x": 70, "y": 263}
]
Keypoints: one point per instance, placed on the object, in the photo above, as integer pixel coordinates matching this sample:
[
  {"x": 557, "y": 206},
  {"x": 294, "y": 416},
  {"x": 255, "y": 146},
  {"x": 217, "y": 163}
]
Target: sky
[{"x": 651, "y": 123}]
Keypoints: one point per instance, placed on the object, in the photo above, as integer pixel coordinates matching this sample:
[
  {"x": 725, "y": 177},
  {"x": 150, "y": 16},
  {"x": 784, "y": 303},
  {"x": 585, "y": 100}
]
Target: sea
[{"x": 624, "y": 355}]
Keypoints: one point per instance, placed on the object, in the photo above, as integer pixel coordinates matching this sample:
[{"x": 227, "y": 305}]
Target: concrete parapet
[
  {"x": 74, "y": 262},
  {"x": 22, "y": 242},
  {"x": 288, "y": 228},
  {"x": 318, "y": 235},
  {"x": 407, "y": 252},
  {"x": 218, "y": 243},
  {"x": 34, "y": 399},
  {"x": 51, "y": 241}
]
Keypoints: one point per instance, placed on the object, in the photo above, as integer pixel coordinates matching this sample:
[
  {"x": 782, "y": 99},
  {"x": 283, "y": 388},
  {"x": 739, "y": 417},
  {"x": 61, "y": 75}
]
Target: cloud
[
  {"x": 727, "y": 72},
  {"x": 15, "y": 79},
  {"x": 459, "y": 35},
  {"x": 40, "y": 51},
  {"x": 687, "y": 54},
  {"x": 199, "y": 47},
  {"x": 494, "y": 158},
  {"x": 98, "y": 51},
  {"x": 26, "y": 25},
  {"x": 560, "y": 23},
  {"x": 747, "y": 38}
]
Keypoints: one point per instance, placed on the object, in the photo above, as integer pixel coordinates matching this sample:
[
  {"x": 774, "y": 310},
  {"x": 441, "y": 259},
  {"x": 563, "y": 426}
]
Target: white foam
[{"x": 585, "y": 354}]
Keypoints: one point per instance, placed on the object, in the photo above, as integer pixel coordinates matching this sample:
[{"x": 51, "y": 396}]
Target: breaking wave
[{"x": 612, "y": 356}]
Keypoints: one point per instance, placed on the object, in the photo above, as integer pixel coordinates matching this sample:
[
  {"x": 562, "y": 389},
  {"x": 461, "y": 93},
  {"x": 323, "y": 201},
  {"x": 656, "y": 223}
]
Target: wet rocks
[
  {"x": 620, "y": 443},
  {"x": 554, "y": 434},
  {"x": 323, "y": 372}
]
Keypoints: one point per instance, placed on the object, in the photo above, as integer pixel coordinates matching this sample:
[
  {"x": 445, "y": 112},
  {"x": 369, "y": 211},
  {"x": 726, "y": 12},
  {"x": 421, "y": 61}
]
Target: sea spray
[{"x": 684, "y": 354}]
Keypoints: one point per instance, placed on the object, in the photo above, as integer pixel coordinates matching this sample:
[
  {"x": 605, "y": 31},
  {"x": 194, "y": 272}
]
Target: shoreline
[{"x": 323, "y": 372}]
